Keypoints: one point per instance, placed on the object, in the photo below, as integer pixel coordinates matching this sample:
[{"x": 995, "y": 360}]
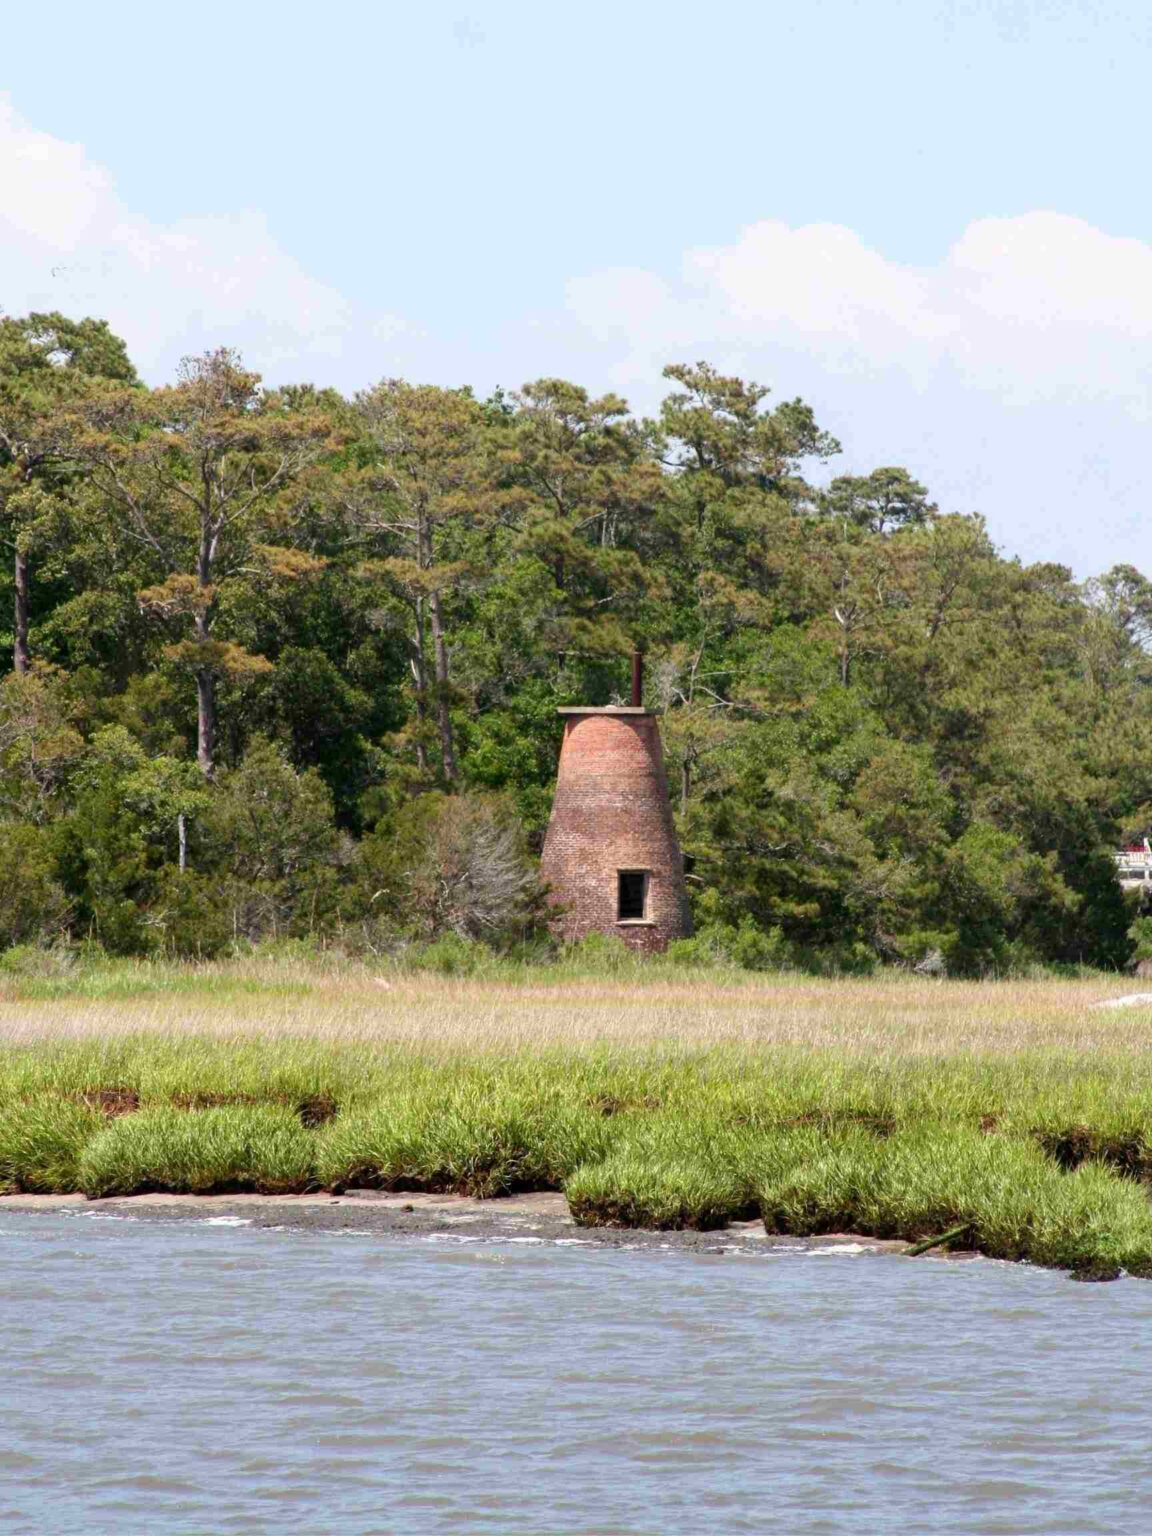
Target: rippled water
[{"x": 162, "y": 1378}]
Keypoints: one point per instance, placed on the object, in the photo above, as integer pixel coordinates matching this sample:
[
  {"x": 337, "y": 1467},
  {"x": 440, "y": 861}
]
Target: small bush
[
  {"x": 260, "y": 1147},
  {"x": 599, "y": 954},
  {"x": 33, "y": 907},
  {"x": 450, "y": 955},
  {"x": 744, "y": 944},
  {"x": 41, "y": 1143},
  {"x": 38, "y": 962}
]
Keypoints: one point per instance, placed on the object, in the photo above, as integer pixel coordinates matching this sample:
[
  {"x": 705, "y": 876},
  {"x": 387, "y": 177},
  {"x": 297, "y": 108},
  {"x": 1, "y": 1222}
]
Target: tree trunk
[
  {"x": 182, "y": 836},
  {"x": 206, "y": 722},
  {"x": 205, "y": 677},
  {"x": 419, "y": 666},
  {"x": 443, "y": 714},
  {"x": 20, "y": 657}
]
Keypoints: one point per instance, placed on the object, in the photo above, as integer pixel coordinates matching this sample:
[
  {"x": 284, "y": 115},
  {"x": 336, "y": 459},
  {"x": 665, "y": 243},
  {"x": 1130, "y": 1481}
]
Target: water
[{"x": 207, "y": 1378}]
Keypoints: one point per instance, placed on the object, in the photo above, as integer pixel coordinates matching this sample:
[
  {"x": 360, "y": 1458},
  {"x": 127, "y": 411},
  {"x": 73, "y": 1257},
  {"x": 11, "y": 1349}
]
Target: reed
[
  {"x": 41, "y": 1144},
  {"x": 1010, "y": 1199},
  {"x": 894, "y": 1107},
  {"x": 231, "y": 1148},
  {"x": 477, "y": 1139}
]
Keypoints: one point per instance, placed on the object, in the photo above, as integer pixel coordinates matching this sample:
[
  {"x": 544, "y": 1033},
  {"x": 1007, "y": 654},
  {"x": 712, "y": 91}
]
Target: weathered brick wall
[{"x": 611, "y": 812}]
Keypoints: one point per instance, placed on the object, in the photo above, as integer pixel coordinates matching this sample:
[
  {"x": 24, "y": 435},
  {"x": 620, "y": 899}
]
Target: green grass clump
[
  {"x": 258, "y": 1147},
  {"x": 1012, "y": 1199},
  {"x": 41, "y": 1143},
  {"x": 694, "y": 1173},
  {"x": 474, "y": 1141},
  {"x": 630, "y": 1190}
]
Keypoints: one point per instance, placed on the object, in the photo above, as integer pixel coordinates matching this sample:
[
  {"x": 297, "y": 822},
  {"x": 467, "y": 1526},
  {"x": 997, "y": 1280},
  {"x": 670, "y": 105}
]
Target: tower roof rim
[{"x": 604, "y": 709}]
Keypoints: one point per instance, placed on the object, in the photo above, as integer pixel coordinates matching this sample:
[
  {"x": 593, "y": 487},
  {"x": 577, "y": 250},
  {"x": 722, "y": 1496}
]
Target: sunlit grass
[
  {"x": 1009, "y": 1200},
  {"x": 332, "y": 998},
  {"x": 885, "y": 1106},
  {"x": 257, "y": 1147},
  {"x": 41, "y": 1143}
]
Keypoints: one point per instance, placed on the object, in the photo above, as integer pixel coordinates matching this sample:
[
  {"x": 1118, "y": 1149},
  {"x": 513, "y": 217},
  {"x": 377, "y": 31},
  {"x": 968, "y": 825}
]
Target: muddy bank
[{"x": 543, "y": 1217}]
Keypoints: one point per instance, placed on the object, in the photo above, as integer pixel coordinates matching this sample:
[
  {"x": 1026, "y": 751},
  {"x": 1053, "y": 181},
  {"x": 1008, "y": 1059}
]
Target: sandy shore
[{"x": 543, "y": 1217}]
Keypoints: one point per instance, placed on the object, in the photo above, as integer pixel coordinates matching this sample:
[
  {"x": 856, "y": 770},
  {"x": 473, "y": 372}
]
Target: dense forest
[{"x": 280, "y": 665}]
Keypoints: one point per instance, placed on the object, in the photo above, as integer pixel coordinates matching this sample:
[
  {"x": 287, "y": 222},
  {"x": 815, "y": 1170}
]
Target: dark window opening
[{"x": 631, "y": 894}]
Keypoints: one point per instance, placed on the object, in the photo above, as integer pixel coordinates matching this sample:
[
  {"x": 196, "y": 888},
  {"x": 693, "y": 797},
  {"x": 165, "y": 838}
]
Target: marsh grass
[
  {"x": 1012, "y": 1199},
  {"x": 232, "y": 1148},
  {"x": 477, "y": 1140},
  {"x": 41, "y": 1143},
  {"x": 892, "y": 1106},
  {"x": 329, "y": 998}
]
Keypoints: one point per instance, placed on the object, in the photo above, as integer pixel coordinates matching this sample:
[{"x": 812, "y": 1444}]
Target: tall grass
[
  {"x": 199, "y": 1152},
  {"x": 41, "y": 1143},
  {"x": 895, "y": 1107},
  {"x": 1010, "y": 1199},
  {"x": 473, "y": 1140}
]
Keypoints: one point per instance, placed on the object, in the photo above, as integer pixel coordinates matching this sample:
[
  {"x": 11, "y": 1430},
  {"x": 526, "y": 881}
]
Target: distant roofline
[{"x": 608, "y": 709}]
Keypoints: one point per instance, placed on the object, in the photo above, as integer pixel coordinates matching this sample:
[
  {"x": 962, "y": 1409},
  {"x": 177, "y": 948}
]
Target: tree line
[{"x": 283, "y": 664}]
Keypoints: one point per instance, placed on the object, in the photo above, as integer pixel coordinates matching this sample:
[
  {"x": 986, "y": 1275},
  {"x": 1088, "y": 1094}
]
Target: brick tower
[{"x": 611, "y": 858}]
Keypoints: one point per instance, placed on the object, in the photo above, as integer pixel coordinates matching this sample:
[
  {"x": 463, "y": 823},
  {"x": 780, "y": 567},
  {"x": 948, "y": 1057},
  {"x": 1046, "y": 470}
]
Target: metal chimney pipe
[{"x": 637, "y": 679}]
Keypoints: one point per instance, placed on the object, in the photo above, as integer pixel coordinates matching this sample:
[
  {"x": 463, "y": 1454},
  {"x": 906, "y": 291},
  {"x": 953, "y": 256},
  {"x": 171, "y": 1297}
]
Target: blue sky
[{"x": 929, "y": 219}]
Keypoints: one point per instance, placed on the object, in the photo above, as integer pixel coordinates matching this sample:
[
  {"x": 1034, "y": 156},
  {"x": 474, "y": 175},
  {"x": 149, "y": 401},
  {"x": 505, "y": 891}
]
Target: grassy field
[{"x": 1014, "y": 1113}]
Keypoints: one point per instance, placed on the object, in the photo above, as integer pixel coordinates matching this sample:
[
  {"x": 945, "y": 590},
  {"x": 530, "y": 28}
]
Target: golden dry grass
[{"x": 891, "y": 1015}]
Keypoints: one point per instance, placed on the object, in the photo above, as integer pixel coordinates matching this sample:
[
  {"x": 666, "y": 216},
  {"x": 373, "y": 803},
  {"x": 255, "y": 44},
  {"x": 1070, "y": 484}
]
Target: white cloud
[
  {"x": 1015, "y": 376},
  {"x": 68, "y": 242}
]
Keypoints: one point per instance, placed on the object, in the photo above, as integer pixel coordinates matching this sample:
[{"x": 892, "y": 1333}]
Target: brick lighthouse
[{"x": 611, "y": 858}]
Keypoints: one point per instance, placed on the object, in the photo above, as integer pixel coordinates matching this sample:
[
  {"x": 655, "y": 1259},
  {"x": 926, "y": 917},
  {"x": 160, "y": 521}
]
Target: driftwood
[{"x": 934, "y": 1242}]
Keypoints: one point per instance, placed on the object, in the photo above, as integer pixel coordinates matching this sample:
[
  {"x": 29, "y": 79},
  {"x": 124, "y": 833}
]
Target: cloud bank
[
  {"x": 1012, "y": 376},
  {"x": 68, "y": 242},
  {"x": 1015, "y": 376}
]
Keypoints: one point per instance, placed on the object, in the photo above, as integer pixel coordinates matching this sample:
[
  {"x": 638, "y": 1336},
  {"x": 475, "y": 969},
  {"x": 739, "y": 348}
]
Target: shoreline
[
  {"x": 1043, "y": 1158},
  {"x": 541, "y": 1217}
]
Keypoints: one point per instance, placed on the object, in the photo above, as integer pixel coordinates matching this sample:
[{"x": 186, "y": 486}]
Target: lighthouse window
[{"x": 631, "y": 894}]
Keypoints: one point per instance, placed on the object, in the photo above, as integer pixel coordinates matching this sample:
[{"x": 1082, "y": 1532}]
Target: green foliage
[
  {"x": 717, "y": 941},
  {"x": 33, "y": 906},
  {"x": 478, "y": 1140},
  {"x": 1140, "y": 933},
  {"x": 1011, "y": 1200},
  {"x": 226, "y": 1149},
  {"x": 454, "y": 872},
  {"x": 286, "y": 665},
  {"x": 41, "y": 1143},
  {"x": 1038, "y": 1158},
  {"x": 274, "y": 830}
]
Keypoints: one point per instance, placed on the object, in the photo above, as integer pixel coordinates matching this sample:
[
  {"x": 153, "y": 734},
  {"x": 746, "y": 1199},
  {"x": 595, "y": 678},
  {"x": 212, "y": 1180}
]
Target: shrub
[
  {"x": 192, "y": 914},
  {"x": 33, "y": 961},
  {"x": 449, "y": 955},
  {"x": 33, "y": 907},
  {"x": 718, "y": 942},
  {"x": 273, "y": 829},
  {"x": 600, "y": 954},
  {"x": 455, "y": 864}
]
